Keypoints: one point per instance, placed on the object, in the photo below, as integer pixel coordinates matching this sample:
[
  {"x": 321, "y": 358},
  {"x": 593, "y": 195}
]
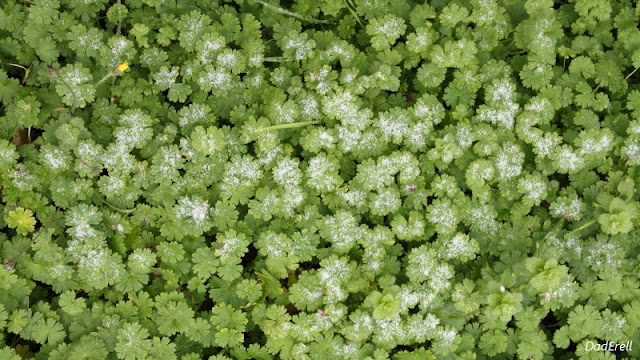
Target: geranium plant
[{"x": 333, "y": 179}]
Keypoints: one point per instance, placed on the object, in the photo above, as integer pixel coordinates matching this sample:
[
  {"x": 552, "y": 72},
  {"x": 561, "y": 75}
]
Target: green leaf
[
  {"x": 70, "y": 304},
  {"x": 49, "y": 331},
  {"x": 21, "y": 219},
  {"x": 132, "y": 342},
  {"x": 73, "y": 85}
]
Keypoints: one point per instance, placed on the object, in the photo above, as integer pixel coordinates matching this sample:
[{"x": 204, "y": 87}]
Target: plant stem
[
  {"x": 126, "y": 211},
  {"x": 353, "y": 13},
  {"x": 276, "y": 59},
  {"x": 631, "y": 73},
  {"x": 290, "y": 13},
  {"x": 20, "y": 66},
  {"x": 26, "y": 71},
  {"x": 286, "y": 126},
  {"x": 104, "y": 78},
  {"x": 118, "y": 31},
  {"x": 73, "y": 103},
  {"x": 584, "y": 226}
]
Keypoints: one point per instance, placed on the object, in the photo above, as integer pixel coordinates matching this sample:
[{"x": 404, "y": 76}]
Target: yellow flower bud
[{"x": 122, "y": 67}]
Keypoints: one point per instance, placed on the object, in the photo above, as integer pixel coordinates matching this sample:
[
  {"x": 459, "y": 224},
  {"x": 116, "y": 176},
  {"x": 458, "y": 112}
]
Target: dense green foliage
[{"x": 319, "y": 179}]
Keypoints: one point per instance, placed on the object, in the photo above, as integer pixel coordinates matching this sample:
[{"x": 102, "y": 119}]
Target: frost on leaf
[{"x": 509, "y": 162}]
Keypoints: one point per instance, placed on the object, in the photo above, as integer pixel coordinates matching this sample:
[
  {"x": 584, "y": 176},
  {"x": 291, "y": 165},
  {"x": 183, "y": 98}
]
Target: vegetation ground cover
[{"x": 330, "y": 179}]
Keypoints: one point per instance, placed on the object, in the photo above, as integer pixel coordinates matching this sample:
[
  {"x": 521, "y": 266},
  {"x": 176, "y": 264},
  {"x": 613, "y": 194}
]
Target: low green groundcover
[{"x": 319, "y": 179}]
